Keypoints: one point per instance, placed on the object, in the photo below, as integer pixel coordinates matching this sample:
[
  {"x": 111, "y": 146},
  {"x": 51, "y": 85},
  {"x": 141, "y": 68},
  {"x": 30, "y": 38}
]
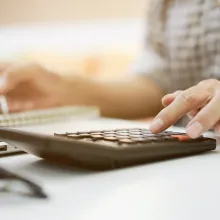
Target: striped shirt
[{"x": 191, "y": 44}]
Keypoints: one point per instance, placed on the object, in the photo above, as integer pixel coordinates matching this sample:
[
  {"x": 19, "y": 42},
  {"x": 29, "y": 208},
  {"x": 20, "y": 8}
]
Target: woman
[{"x": 182, "y": 53}]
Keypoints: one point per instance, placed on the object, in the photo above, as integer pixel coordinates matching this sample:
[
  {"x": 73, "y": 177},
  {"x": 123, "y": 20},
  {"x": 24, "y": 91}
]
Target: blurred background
[
  {"x": 98, "y": 38},
  {"x": 26, "y": 11}
]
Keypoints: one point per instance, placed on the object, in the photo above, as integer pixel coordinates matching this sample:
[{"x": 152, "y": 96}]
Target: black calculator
[{"x": 108, "y": 149}]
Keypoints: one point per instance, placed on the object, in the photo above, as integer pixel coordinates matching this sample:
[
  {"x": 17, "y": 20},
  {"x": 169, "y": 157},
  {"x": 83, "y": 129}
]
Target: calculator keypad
[{"x": 123, "y": 137}]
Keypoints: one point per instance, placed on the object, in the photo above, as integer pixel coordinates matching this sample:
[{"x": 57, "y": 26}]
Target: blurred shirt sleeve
[
  {"x": 152, "y": 65},
  {"x": 191, "y": 39}
]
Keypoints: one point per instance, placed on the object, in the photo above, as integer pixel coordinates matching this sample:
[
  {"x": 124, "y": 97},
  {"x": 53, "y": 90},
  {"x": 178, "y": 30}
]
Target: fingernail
[
  {"x": 194, "y": 130},
  {"x": 157, "y": 125}
]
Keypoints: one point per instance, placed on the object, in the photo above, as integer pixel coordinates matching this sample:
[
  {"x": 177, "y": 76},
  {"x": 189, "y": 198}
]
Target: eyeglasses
[{"x": 17, "y": 184}]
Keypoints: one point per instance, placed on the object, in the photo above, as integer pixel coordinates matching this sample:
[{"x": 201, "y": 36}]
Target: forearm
[{"x": 133, "y": 98}]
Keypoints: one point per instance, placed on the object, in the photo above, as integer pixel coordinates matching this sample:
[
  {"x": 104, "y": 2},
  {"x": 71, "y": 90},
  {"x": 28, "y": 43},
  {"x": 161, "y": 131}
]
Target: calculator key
[
  {"x": 122, "y": 130},
  {"x": 135, "y": 129},
  {"x": 73, "y": 136},
  {"x": 126, "y": 141},
  {"x": 170, "y": 138},
  {"x": 150, "y": 135},
  {"x": 108, "y": 132},
  {"x": 72, "y": 133},
  {"x": 139, "y": 139},
  {"x": 96, "y": 133},
  {"x": 110, "y": 138},
  {"x": 182, "y": 137},
  {"x": 81, "y": 132},
  {"x": 85, "y": 135},
  {"x": 145, "y": 130},
  {"x": 123, "y": 137},
  {"x": 122, "y": 134},
  {"x": 97, "y": 136},
  {"x": 109, "y": 135},
  {"x": 171, "y": 133},
  {"x": 135, "y": 135}
]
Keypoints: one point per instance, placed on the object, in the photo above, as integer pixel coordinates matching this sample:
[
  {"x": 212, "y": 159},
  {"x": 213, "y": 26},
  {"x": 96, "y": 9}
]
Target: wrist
[{"x": 77, "y": 91}]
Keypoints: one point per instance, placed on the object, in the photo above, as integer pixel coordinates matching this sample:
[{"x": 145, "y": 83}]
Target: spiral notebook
[
  {"x": 46, "y": 119},
  {"x": 45, "y": 116}
]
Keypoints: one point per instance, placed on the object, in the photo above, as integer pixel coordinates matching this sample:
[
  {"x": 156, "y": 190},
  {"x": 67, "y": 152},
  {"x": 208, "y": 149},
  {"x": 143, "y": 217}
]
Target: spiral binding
[{"x": 46, "y": 115}]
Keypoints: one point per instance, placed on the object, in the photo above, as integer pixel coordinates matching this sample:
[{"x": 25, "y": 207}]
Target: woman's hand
[
  {"x": 201, "y": 103},
  {"x": 30, "y": 86}
]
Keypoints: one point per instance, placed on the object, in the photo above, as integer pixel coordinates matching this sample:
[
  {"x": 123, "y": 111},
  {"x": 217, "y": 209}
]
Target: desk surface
[{"x": 183, "y": 189}]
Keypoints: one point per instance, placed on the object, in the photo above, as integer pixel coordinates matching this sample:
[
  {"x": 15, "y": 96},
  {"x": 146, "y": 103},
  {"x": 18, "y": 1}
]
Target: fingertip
[
  {"x": 194, "y": 130},
  {"x": 157, "y": 125}
]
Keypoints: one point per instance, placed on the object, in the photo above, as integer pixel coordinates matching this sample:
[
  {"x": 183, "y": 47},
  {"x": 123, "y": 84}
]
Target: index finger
[{"x": 188, "y": 100}]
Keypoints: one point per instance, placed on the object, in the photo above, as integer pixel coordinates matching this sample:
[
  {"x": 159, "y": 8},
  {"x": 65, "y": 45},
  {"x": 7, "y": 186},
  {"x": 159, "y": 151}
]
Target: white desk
[{"x": 180, "y": 189}]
